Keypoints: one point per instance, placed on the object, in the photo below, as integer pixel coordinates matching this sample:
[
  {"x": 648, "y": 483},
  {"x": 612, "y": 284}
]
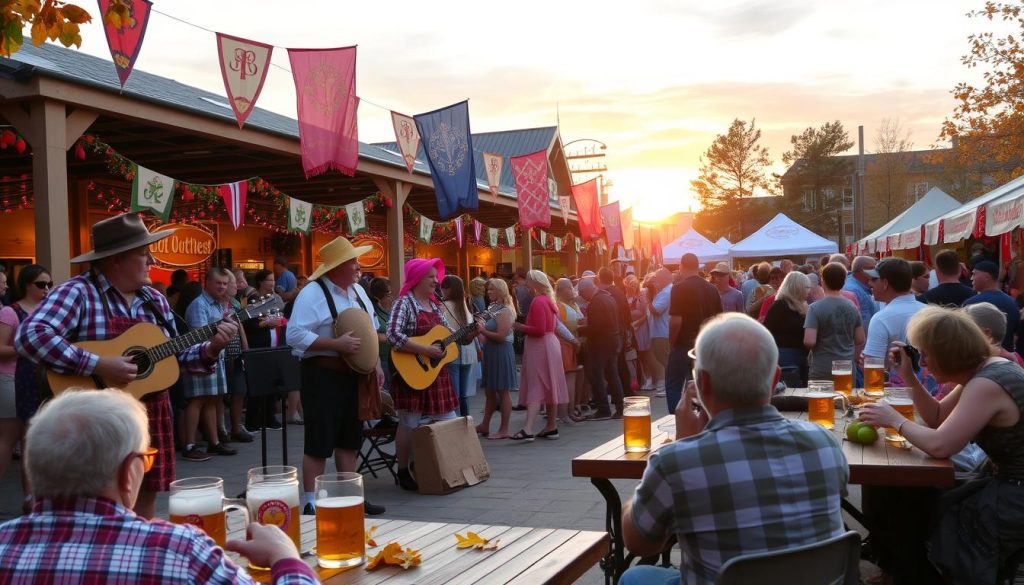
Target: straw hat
[
  {"x": 335, "y": 253},
  {"x": 119, "y": 234}
]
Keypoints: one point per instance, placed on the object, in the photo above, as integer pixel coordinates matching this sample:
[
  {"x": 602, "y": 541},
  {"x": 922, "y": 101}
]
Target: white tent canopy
[
  {"x": 934, "y": 204},
  {"x": 782, "y": 237},
  {"x": 723, "y": 243},
  {"x": 692, "y": 242}
]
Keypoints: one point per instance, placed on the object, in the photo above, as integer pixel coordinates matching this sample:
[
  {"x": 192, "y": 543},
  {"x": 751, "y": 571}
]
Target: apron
[
  {"x": 439, "y": 397},
  {"x": 158, "y": 411}
]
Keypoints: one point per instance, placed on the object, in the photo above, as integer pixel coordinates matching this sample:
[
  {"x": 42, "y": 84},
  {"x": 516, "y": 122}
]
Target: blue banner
[{"x": 449, "y": 149}]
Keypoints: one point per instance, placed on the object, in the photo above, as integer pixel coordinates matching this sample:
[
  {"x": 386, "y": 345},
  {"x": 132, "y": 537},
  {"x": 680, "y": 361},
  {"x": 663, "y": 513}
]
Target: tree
[
  {"x": 733, "y": 168},
  {"x": 814, "y": 154},
  {"x": 886, "y": 177},
  {"x": 986, "y": 128},
  {"x": 50, "y": 19}
]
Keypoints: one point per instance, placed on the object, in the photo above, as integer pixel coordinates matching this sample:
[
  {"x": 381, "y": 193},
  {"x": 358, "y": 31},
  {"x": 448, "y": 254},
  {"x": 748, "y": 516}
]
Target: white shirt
[
  {"x": 890, "y": 324},
  {"x": 311, "y": 317}
]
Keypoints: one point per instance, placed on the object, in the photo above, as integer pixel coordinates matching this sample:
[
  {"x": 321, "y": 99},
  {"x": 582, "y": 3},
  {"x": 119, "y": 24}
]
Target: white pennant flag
[
  {"x": 408, "y": 138},
  {"x": 492, "y": 237},
  {"x": 563, "y": 203},
  {"x": 459, "y": 226},
  {"x": 300, "y": 215},
  {"x": 426, "y": 229},
  {"x": 542, "y": 237},
  {"x": 492, "y": 164},
  {"x": 579, "y": 246},
  {"x": 152, "y": 191},
  {"x": 355, "y": 215},
  {"x": 510, "y": 235},
  {"x": 558, "y": 244}
]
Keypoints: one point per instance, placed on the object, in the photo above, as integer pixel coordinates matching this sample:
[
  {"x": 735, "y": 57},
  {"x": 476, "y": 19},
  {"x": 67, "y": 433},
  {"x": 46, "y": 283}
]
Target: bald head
[{"x": 587, "y": 288}]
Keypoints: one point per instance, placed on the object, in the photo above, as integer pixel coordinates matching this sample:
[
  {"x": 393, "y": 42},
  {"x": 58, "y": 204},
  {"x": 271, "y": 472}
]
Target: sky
[{"x": 654, "y": 80}]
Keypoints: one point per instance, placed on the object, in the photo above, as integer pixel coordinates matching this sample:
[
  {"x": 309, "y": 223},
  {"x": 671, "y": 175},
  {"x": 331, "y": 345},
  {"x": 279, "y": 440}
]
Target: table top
[
  {"x": 524, "y": 555},
  {"x": 879, "y": 464}
]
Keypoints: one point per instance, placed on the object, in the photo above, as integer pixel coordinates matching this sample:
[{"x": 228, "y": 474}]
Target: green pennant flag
[
  {"x": 579, "y": 246},
  {"x": 152, "y": 192},
  {"x": 558, "y": 244},
  {"x": 492, "y": 237},
  {"x": 510, "y": 235},
  {"x": 426, "y": 229},
  {"x": 542, "y": 237},
  {"x": 355, "y": 216},
  {"x": 300, "y": 215}
]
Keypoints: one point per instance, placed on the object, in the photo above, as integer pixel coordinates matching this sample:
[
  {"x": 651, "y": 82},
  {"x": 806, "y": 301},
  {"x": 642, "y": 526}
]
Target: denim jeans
[
  {"x": 602, "y": 371},
  {"x": 680, "y": 369},
  {"x": 650, "y": 575},
  {"x": 461, "y": 379}
]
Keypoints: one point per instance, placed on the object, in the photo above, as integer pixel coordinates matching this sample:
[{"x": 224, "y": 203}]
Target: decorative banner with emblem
[
  {"x": 407, "y": 137},
  {"x": 492, "y": 237},
  {"x": 426, "y": 229},
  {"x": 587, "y": 213},
  {"x": 563, "y": 204},
  {"x": 243, "y": 65},
  {"x": 124, "y": 38},
  {"x": 612, "y": 219},
  {"x": 233, "y": 195},
  {"x": 493, "y": 163},
  {"x": 530, "y": 172},
  {"x": 325, "y": 89},
  {"x": 300, "y": 215},
  {"x": 510, "y": 235},
  {"x": 355, "y": 217},
  {"x": 459, "y": 226},
  {"x": 152, "y": 192},
  {"x": 449, "y": 148}
]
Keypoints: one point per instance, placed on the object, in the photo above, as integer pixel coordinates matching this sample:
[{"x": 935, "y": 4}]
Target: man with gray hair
[
  {"x": 720, "y": 488},
  {"x": 86, "y": 454},
  {"x": 858, "y": 281}
]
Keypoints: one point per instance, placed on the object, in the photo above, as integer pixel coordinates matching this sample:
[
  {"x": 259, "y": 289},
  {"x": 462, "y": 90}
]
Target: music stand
[{"x": 270, "y": 372}]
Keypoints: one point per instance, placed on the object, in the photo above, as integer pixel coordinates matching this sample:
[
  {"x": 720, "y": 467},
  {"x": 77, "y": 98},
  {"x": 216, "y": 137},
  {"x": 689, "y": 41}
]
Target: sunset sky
[{"x": 655, "y": 80}]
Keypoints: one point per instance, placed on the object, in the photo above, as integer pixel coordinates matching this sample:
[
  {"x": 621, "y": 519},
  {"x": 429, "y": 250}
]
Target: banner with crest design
[
  {"x": 510, "y": 235},
  {"x": 355, "y": 217},
  {"x": 530, "y": 172},
  {"x": 300, "y": 215},
  {"x": 243, "y": 65},
  {"x": 493, "y": 163},
  {"x": 407, "y": 137},
  {"x": 153, "y": 192},
  {"x": 492, "y": 237},
  {"x": 612, "y": 219},
  {"x": 325, "y": 89},
  {"x": 125, "y": 41},
  {"x": 449, "y": 148},
  {"x": 426, "y": 230}
]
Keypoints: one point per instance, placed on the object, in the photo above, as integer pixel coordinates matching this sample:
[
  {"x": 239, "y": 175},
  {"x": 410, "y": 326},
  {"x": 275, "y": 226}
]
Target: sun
[{"x": 655, "y": 194}]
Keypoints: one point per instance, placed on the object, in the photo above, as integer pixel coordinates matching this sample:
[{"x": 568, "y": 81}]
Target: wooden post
[
  {"x": 574, "y": 258},
  {"x": 527, "y": 251},
  {"x": 50, "y": 183},
  {"x": 398, "y": 191}
]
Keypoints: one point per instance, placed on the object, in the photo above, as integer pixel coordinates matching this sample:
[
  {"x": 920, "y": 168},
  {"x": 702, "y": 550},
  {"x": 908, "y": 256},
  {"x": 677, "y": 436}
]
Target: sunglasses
[
  {"x": 148, "y": 458},
  {"x": 43, "y": 284}
]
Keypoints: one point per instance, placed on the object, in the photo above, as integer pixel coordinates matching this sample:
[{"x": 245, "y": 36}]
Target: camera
[{"x": 913, "y": 353}]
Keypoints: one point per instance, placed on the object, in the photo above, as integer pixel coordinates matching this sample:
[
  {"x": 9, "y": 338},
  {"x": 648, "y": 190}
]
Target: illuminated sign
[
  {"x": 187, "y": 247},
  {"x": 373, "y": 258}
]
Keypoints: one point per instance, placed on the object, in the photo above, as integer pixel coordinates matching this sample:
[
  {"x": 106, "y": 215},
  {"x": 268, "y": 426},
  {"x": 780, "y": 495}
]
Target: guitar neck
[
  {"x": 193, "y": 337},
  {"x": 464, "y": 330}
]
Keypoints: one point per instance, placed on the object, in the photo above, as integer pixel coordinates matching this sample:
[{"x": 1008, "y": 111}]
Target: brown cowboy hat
[
  {"x": 119, "y": 234},
  {"x": 335, "y": 253}
]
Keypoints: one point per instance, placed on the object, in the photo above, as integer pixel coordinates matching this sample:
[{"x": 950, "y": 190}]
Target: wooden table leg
[{"x": 613, "y": 563}]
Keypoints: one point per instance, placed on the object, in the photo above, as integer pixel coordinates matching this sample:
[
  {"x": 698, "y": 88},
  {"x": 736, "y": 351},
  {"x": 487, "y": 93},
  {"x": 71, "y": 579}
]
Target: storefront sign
[
  {"x": 252, "y": 265},
  {"x": 373, "y": 258},
  {"x": 188, "y": 246}
]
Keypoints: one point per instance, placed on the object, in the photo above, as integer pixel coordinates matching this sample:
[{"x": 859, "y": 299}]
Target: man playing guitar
[{"x": 101, "y": 304}]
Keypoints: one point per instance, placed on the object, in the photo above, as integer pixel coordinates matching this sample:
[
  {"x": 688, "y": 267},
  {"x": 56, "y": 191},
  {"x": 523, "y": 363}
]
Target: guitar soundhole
[{"x": 141, "y": 360}]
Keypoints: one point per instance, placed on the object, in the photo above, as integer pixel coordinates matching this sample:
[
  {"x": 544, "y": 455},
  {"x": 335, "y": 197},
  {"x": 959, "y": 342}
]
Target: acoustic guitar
[
  {"x": 150, "y": 351},
  {"x": 420, "y": 371}
]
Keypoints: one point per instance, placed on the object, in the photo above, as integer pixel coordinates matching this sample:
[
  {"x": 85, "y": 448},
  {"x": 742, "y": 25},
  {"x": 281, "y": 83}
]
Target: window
[
  {"x": 915, "y": 191},
  {"x": 810, "y": 202},
  {"x": 848, "y": 229},
  {"x": 847, "y": 198}
]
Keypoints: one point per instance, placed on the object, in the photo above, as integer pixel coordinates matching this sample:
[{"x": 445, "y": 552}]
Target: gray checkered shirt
[{"x": 751, "y": 482}]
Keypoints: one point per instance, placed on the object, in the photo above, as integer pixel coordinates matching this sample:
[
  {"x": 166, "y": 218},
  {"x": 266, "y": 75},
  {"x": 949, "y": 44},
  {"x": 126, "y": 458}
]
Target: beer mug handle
[
  {"x": 237, "y": 505},
  {"x": 845, "y": 401}
]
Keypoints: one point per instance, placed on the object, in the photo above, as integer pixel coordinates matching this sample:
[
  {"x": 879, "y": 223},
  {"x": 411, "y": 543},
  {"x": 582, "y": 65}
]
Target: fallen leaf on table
[
  {"x": 393, "y": 554},
  {"x": 474, "y": 540},
  {"x": 369, "y": 536}
]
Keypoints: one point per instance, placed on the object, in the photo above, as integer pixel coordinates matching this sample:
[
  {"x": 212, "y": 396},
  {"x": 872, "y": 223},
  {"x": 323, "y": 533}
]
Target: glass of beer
[
  {"x": 821, "y": 407},
  {"x": 200, "y": 501},
  {"x": 901, "y": 400},
  {"x": 874, "y": 378},
  {"x": 842, "y": 376},
  {"x": 340, "y": 538},
  {"x": 272, "y": 495},
  {"x": 636, "y": 421}
]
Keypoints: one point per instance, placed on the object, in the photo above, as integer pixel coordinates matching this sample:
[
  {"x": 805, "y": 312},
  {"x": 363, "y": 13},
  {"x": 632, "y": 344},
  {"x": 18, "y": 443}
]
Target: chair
[
  {"x": 835, "y": 561},
  {"x": 372, "y": 458}
]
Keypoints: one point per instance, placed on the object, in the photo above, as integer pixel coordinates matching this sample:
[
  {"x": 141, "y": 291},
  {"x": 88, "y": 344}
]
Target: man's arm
[
  {"x": 647, "y": 518},
  {"x": 635, "y": 541},
  {"x": 42, "y": 337}
]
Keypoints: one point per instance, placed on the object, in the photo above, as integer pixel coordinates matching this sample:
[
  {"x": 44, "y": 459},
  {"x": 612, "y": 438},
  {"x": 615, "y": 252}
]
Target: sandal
[
  {"x": 522, "y": 436},
  {"x": 482, "y": 432},
  {"x": 496, "y": 437}
]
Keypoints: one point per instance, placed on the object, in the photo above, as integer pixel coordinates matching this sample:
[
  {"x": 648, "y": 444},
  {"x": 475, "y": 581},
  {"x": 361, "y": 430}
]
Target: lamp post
[{"x": 595, "y": 154}]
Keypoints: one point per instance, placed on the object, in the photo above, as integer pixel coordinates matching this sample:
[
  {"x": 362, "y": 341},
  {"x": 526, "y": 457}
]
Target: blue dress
[{"x": 499, "y": 366}]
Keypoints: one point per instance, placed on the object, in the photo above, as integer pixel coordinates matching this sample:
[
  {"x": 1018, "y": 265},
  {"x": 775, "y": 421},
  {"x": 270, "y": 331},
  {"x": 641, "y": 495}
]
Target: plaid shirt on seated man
[{"x": 746, "y": 481}]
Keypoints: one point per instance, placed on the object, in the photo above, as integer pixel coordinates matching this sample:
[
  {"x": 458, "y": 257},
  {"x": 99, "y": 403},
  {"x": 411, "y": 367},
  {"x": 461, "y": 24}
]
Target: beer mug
[
  {"x": 272, "y": 495},
  {"x": 842, "y": 376},
  {"x": 200, "y": 501},
  {"x": 900, "y": 399},
  {"x": 340, "y": 537},
  {"x": 821, "y": 406},
  {"x": 636, "y": 422},
  {"x": 874, "y": 378}
]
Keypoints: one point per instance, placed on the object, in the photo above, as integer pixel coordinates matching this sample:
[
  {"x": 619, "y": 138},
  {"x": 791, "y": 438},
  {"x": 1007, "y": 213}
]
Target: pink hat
[{"x": 416, "y": 269}]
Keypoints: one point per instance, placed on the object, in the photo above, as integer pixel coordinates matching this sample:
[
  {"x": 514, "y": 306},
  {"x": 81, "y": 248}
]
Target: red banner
[
  {"x": 585, "y": 195},
  {"x": 234, "y": 199},
  {"x": 325, "y": 88},
  {"x": 407, "y": 136},
  {"x": 243, "y": 65},
  {"x": 125, "y": 41},
  {"x": 530, "y": 172},
  {"x": 612, "y": 218}
]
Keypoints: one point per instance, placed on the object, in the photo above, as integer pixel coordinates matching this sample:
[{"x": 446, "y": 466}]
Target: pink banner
[
  {"x": 612, "y": 218},
  {"x": 458, "y": 230},
  {"x": 585, "y": 195},
  {"x": 125, "y": 41},
  {"x": 234, "y": 200},
  {"x": 325, "y": 87},
  {"x": 243, "y": 65},
  {"x": 627, "y": 228},
  {"x": 563, "y": 204},
  {"x": 408, "y": 138},
  {"x": 530, "y": 172},
  {"x": 477, "y": 229},
  {"x": 493, "y": 163}
]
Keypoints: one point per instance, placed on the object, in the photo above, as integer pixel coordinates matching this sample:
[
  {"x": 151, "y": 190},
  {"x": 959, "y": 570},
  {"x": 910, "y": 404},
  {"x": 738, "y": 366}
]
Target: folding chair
[
  {"x": 835, "y": 561},
  {"x": 372, "y": 458}
]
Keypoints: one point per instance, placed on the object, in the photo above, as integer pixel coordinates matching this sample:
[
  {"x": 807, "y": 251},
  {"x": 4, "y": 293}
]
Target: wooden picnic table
[
  {"x": 879, "y": 464},
  {"x": 525, "y": 556}
]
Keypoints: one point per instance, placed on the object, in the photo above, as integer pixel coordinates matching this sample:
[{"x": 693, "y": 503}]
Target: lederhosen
[
  {"x": 158, "y": 404},
  {"x": 330, "y": 399}
]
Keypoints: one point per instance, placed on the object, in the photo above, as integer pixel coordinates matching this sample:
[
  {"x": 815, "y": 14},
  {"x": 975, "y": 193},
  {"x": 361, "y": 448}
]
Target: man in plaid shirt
[
  {"x": 745, "y": 481},
  {"x": 86, "y": 453}
]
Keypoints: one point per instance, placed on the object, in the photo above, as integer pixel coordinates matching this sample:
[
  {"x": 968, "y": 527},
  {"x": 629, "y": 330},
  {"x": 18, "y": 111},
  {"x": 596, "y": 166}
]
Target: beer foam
[
  {"x": 340, "y": 502},
  {"x": 258, "y": 493},
  {"x": 200, "y": 502},
  {"x": 898, "y": 401}
]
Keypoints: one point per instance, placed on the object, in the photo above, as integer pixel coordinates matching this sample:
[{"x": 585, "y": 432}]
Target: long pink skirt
[{"x": 542, "y": 379}]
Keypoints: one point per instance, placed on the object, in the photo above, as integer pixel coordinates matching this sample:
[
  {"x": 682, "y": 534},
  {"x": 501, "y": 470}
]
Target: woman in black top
[{"x": 785, "y": 321}]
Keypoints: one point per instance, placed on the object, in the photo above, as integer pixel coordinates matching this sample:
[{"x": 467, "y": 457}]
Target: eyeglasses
[
  {"x": 148, "y": 458},
  {"x": 43, "y": 284}
]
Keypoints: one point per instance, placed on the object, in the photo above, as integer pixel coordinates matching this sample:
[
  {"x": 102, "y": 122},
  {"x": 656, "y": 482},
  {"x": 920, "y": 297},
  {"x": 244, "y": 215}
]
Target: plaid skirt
[{"x": 161, "y": 436}]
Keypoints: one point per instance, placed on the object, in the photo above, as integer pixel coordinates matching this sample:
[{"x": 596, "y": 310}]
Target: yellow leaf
[
  {"x": 369, "y": 536},
  {"x": 38, "y": 33},
  {"x": 389, "y": 550},
  {"x": 393, "y": 554},
  {"x": 76, "y": 14},
  {"x": 474, "y": 540}
]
